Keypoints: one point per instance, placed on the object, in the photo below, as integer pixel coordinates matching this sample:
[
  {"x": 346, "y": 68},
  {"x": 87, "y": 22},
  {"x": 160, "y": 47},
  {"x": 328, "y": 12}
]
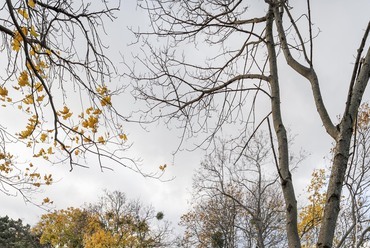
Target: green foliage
[{"x": 13, "y": 234}]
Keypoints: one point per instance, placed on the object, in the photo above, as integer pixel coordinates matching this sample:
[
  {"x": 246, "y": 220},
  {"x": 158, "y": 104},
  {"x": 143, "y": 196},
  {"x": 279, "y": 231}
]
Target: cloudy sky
[{"x": 341, "y": 24}]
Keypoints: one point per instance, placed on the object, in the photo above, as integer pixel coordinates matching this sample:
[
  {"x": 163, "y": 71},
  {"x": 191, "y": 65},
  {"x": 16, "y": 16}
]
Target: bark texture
[
  {"x": 342, "y": 134},
  {"x": 341, "y": 155},
  {"x": 284, "y": 171}
]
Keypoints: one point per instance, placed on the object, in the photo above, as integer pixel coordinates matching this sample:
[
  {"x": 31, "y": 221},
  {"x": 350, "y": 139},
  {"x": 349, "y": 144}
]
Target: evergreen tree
[{"x": 13, "y": 234}]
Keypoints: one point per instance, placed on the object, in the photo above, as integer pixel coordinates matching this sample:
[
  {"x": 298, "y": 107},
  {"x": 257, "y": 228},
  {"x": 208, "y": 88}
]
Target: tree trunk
[
  {"x": 341, "y": 155},
  {"x": 341, "y": 134},
  {"x": 284, "y": 172}
]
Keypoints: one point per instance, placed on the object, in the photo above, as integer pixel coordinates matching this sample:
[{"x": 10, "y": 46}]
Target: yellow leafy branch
[
  {"x": 30, "y": 128},
  {"x": 104, "y": 92}
]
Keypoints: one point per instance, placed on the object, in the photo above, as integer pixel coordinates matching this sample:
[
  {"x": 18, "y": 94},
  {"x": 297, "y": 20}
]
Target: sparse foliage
[
  {"x": 57, "y": 81},
  {"x": 310, "y": 216},
  {"x": 236, "y": 202},
  {"x": 129, "y": 223},
  {"x": 218, "y": 93},
  {"x": 354, "y": 218},
  {"x": 352, "y": 227}
]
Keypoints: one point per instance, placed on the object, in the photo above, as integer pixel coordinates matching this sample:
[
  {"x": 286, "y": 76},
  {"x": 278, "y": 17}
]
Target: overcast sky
[{"x": 342, "y": 25}]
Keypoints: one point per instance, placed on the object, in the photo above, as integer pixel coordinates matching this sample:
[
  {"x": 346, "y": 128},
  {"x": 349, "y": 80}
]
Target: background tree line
[
  {"x": 113, "y": 221},
  {"x": 236, "y": 202}
]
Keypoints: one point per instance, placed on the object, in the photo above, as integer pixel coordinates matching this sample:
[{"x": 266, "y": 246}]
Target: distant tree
[
  {"x": 310, "y": 216},
  {"x": 236, "y": 202},
  {"x": 237, "y": 85},
  {"x": 14, "y": 234},
  {"x": 64, "y": 227},
  {"x": 111, "y": 222},
  {"x": 56, "y": 81},
  {"x": 130, "y": 223},
  {"x": 211, "y": 223},
  {"x": 354, "y": 216}
]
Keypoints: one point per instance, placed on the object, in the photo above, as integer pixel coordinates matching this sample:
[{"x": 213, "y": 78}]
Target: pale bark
[
  {"x": 342, "y": 134},
  {"x": 284, "y": 171},
  {"x": 218, "y": 18},
  {"x": 307, "y": 72},
  {"x": 341, "y": 155}
]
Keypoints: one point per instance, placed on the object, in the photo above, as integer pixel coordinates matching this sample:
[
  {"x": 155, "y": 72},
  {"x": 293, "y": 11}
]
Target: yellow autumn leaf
[
  {"x": 28, "y": 99},
  {"x": 24, "y": 31},
  {"x": 50, "y": 150},
  {"x": 48, "y": 179},
  {"x": 64, "y": 111},
  {"x": 2, "y": 156},
  {"x": 91, "y": 122},
  {"x": 43, "y": 65},
  {"x": 103, "y": 90},
  {"x": 24, "y": 134},
  {"x": 40, "y": 98},
  {"x": 23, "y": 79},
  {"x": 77, "y": 151},
  {"x": 16, "y": 42},
  {"x": 101, "y": 140},
  {"x": 162, "y": 167},
  {"x": 31, "y": 3},
  {"x": 23, "y": 13},
  {"x": 88, "y": 110},
  {"x": 16, "y": 45},
  {"x": 40, "y": 153},
  {"x": 123, "y": 137},
  {"x": 66, "y": 116},
  {"x": 35, "y": 175},
  {"x": 39, "y": 87},
  {"x": 43, "y": 137},
  {"x": 3, "y": 91},
  {"x": 106, "y": 100},
  {"x": 97, "y": 112},
  {"x": 33, "y": 32}
]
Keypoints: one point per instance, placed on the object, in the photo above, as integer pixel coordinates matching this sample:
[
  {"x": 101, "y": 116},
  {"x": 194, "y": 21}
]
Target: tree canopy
[
  {"x": 58, "y": 83},
  {"x": 14, "y": 234},
  {"x": 113, "y": 221}
]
